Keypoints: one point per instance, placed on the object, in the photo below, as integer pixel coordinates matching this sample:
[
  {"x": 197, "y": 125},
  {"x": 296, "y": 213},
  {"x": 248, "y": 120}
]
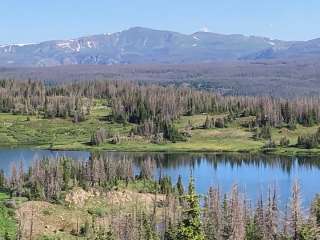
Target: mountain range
[{"x": 142, "y": 45}]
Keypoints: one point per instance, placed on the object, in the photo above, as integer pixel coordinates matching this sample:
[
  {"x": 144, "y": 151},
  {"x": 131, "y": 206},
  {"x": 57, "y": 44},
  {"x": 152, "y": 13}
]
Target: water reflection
[
  {"x": 232, "y": 160},
  {"x": 254, "y": 173}
]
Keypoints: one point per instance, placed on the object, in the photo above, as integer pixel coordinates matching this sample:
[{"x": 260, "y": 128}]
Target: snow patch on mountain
[
  {"x": 91, "y": 44},
  {"x": 17, "y": 45},
  {"x": 78, "y": 48},
  {"x": 64, "y": 45},
  {"x": 70, "y": 44}
]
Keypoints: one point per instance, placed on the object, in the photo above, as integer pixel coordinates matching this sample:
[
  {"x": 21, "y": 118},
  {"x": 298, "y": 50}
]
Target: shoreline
[{"x": 286, "y": 152}]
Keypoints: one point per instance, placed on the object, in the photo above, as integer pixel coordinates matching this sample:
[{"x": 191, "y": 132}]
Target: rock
[{"x": 10, "y": 204}]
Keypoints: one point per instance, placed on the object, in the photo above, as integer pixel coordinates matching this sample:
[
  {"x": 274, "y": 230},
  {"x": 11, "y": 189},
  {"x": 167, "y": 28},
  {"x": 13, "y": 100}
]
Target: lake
[{"x": 253, "y": 173}]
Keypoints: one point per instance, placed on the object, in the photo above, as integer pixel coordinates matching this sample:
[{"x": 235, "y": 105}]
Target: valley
[{"x": 159, "y": 120}]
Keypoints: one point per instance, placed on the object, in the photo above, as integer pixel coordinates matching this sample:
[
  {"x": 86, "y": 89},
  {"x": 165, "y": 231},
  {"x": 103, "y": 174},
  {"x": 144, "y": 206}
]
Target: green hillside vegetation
[{"x": 127, "y": 116}]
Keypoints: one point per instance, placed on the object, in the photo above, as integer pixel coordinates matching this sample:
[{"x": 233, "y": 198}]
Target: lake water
[{"x": 252, "y": 173}]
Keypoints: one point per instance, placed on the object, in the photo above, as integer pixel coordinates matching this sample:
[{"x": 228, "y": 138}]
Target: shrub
[
  {"x": 99, "y": 137},
  {"x": 310, "y": 141},
  {"x": 171, "y": 133},
  {"x": 157, "y": 138},
  {"x": 47, "y": 212},
  {"x": 292, "y": 125},
  {"x": 99, "y": 212},
  {"x": 116, "y": 139},
  {"x": 11, "y": 204},
  {"x": 284, "y": 142},
  {"x": 85, "y": 229},
  {"x": 79, "y": 116},
  {"x": 219, "y": 123},
  {"x": 270, "y": 144},
  {"x": 307, "y": 142},
  {"x": 263, "y": 132},
  {"x": 165, "y": 185}
]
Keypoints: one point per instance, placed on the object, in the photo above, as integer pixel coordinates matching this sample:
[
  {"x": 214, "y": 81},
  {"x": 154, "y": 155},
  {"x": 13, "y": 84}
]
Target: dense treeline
[
  {"x": 152, "y": 107},
  {"x": 221, "y": 216},
  {"x": 137, "y": 104},
  {"x": 34, "y": 98}
]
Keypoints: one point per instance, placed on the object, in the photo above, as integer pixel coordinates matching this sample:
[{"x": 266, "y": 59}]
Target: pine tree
[
  {"x": 180, "y": 186},
  {"x": 165, "y": 185},
  {"x": 170, "y": 234},
  {"x": 208, "y": 225},
  {"x": 296, "y": 219},
  {"x": 252, "y": 231},
  {"x": 191, "y": 228},
  {"x": 66, "y": 173},
  {"x": 148, "y": 229},
  {"x": 226, "y": 229},
  {"x": 259, "y": 219},
  {"x": 271, "y": 216},
  {"x": 2, "y": 179},
  {"x": 315, "y": 209},
  {"x": 212, "y": 215}
]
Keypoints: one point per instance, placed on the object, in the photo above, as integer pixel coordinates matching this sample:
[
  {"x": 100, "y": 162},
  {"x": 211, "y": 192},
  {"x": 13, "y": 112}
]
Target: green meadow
[{"x": 57, "y": 133}]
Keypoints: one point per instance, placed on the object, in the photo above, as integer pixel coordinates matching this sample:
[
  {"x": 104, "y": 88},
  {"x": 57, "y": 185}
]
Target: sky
[{"x": 34, "y": 21}]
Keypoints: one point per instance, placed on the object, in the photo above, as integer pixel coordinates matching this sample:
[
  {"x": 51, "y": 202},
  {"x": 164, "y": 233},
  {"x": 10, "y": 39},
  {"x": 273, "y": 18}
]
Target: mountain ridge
[{"x": 144, "y": 45}]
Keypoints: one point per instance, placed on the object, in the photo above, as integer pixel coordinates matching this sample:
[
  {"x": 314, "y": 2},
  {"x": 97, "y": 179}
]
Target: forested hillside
[
  {"x": 140, "y": 103},
  {"x": 285, "y": 78}
]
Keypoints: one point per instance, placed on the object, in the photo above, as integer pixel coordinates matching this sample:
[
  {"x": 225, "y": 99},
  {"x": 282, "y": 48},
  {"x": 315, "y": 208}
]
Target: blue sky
[{"x": 35, "y": 20}]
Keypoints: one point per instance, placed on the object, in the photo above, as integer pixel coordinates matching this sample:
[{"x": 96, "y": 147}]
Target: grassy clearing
[
  {"x": 7, "y": 221},
  {"x": 17, "y": 130}
]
